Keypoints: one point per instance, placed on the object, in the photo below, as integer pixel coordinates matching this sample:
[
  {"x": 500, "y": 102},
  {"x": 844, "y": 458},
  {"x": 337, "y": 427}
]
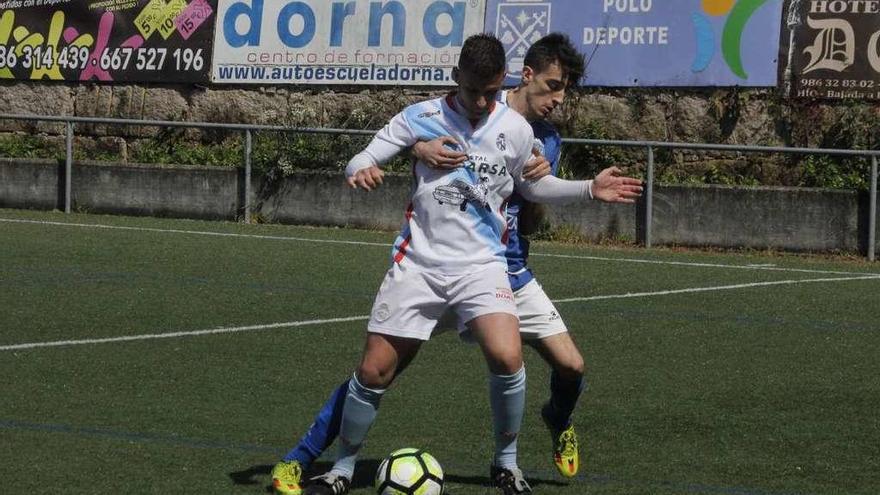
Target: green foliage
[
  {"x": 835, "y": 172},
  {"x": 579, "y": 161},
  {"x": 564, "y": 233},
  {"x": 27, "y": 146},
  {"x": 849, "y": 125},
  {"x": 281, "y": 154},
  {"x": 739, "y": 172},
  {"x": 171, "y": 146}
]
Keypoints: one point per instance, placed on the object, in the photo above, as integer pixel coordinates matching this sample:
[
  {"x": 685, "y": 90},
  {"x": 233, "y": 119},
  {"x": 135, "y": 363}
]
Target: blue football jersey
[{"x": 517, "y": 252}]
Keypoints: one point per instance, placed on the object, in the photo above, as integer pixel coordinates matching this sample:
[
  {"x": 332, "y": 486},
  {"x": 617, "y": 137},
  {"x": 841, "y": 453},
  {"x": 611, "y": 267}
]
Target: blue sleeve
[{"x": 549, "y": 136}]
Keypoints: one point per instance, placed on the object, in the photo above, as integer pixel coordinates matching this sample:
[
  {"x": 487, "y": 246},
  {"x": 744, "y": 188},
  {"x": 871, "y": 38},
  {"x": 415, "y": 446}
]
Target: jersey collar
[{"x": 450, "y": 100}]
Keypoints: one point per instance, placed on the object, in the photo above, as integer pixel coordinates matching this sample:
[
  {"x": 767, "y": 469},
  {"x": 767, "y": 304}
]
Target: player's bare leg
[
  {"x": 384, "y": 356},
  {"x": 498, "y": 336}
]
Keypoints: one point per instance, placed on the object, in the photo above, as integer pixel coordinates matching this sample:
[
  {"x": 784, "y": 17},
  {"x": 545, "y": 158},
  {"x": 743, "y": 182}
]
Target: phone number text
[{"x": 116, "y": 59}]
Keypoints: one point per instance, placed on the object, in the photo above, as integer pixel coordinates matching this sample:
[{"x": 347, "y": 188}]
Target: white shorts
[
  {"x": 410, "y": 301},
  {"x": 538, "y": 317}
]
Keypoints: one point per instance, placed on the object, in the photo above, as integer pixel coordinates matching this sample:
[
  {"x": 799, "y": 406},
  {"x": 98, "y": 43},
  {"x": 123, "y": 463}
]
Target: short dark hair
[
  {"x": 482, "y": 56},
  {"x": 556, "y": 48}
]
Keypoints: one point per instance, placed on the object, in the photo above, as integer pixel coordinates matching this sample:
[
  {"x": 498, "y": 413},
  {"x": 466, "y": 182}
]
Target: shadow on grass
[
  {"x": 478, "y": 480},
  {"x": 364, "y": 473},
  {"x": 364, "y": 476}
]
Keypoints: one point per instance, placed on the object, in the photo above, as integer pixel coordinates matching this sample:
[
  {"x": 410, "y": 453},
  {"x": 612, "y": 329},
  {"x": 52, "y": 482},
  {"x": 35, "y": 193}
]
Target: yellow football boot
[
  {"x": 286, "y": 478},
  {"x": 565, "y": 452}
]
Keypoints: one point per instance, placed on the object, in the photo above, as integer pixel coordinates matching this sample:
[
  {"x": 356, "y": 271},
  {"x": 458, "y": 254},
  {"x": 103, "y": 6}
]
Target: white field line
[
  {"x": 171, "y": 335},
  {"x": 388, "y": 245},
  {"x": 214, "y": 331},
  {"x": 763, "y": 268},
  {"x": 197, "y": 232},
  {"x": 717, "y": 288}
]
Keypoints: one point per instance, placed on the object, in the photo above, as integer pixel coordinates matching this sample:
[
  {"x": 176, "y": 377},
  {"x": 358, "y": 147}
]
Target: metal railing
[{"x": 649, "y": 146}]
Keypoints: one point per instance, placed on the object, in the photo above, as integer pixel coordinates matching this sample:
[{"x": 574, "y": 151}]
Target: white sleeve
[
  {"x": 395, "y": 137},
  {"x": 524, "y": 152},
  {"x": 555, "y": 191}
]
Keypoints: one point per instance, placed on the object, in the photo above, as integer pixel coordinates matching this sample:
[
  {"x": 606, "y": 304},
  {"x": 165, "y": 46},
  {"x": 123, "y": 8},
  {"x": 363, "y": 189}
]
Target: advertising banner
[
  {"x": 833, "y": 49},
  {"x": 106, "y": 40},
  {"x": 413, "y": 42},
  {"x": 650, "y": 42}
]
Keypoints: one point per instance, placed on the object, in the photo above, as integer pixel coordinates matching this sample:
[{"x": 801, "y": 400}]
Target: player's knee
[
  {"x": 571, "y": 368},
  {"x": 506, "y": 363},
  {"x": 372, "y": 375}
]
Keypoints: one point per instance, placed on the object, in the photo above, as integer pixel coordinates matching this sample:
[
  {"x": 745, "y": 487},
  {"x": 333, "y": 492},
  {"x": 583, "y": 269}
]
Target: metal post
[
  {"x": 68, "y": 168},
  {"x": 872, "y": 215},
  {"x": 248, "y": 144},
  {"x": 649, "y": 198}
]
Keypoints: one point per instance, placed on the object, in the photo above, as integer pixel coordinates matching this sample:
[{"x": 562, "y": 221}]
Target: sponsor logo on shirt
[
  {"x": 459, "y": 193},
  {"x": 503, "y": 294},
  {"x": 483, "y": 168}
]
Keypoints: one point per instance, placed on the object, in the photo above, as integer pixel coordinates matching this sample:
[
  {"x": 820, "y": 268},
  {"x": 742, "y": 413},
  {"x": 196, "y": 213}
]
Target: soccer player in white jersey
[
  {"x": 450, "y": 254},
  {"x": 553, "y": 65}
]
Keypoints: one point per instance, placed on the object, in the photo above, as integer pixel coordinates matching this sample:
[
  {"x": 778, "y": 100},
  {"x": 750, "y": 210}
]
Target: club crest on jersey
[
  {"x": 382, "y": 312},
  {"x": 459, "y": 193},
  {"x": 501, "y": 142}
]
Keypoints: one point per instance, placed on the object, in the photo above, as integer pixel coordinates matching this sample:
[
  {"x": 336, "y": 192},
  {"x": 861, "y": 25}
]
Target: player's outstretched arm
[{"x": 613, "y": 187}]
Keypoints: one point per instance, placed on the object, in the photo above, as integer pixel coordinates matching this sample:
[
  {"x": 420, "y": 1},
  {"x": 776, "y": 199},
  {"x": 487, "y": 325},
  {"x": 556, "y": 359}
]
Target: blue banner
[{"x": 632, "y": 43}]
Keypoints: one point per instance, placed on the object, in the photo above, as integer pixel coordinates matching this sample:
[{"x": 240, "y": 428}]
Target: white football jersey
[{"x": 456, "y": 218}]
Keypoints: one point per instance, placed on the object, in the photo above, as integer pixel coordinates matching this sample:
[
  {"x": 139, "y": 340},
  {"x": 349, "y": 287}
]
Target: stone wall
[
  {"x": 795, "y": 219},
  {"x": 728, "y": 115},
  {"x": 758, "y": 116}
]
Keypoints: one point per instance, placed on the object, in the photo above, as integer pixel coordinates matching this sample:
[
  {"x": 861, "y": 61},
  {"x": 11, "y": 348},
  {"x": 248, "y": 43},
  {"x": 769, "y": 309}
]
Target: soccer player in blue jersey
[{"x": 554, "y": 65}]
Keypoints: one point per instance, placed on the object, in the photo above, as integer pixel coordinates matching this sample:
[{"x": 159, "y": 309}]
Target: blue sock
[
  {"x": 564, "y": 395},
  {"x": 358, "y": 414},
  {"x": 507, "y": 395},
  {"x": 323, "y": 431}
]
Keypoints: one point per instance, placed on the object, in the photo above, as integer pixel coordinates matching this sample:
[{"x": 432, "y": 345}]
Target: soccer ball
[{"x": 409, "y": 472}]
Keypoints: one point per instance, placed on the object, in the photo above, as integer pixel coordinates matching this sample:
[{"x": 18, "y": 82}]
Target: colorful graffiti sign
[{"x": 108, "y": 40}]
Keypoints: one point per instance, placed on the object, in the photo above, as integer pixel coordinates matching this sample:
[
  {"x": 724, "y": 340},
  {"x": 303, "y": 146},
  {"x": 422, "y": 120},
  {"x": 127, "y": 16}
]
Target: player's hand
[
  {"x": 610, "y": 186},
  {"x": 440, "y": 153},
  {"x": 536, "y": 167},
  {"x": 366, "y": 178}
]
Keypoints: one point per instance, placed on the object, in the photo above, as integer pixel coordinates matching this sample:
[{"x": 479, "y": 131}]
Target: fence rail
[{"x": 649, "y": 146}]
